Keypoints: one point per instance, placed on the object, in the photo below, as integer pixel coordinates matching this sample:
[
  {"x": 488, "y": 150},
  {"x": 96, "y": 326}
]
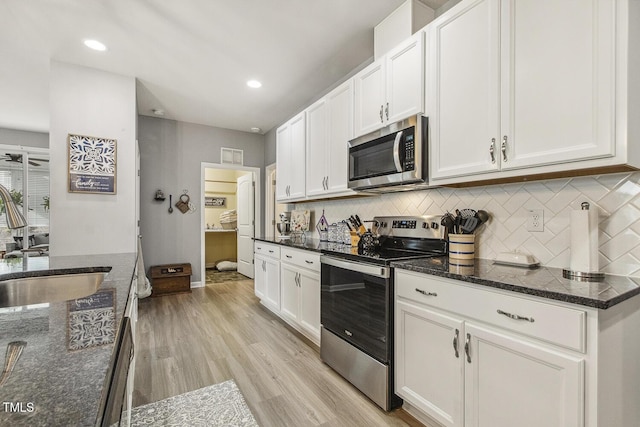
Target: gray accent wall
[
  {"x": 270, "y": 147},
  {"x": 24, "y": 138},
  {"x": 171, "y": 154}
]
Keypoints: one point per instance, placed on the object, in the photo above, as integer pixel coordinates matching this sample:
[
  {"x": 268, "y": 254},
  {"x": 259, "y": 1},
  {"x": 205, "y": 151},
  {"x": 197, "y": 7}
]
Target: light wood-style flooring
[{"x": 222, "y": 332}]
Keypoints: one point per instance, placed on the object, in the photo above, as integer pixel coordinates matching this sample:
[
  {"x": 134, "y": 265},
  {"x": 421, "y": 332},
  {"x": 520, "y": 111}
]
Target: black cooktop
[{"x": 381, "y": 256}]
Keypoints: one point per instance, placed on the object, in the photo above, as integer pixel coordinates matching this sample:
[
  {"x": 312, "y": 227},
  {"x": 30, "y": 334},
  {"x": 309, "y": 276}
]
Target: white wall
[
  {"x": 87, "y": 101},
  {"x": 171, "y": 154}
]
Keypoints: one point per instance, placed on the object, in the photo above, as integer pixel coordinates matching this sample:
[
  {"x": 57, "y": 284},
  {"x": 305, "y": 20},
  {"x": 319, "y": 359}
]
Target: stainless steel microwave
[{"x": 393, "y": 158}]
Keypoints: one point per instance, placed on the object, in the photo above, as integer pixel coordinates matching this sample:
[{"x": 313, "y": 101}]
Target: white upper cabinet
[
  {"x": 464, "y": 89},
  {"x": 290, "y": 159},
  {"x": 392, "y": 88},
  {"x": 521, "y": 84},
  {"x": 329, "y": 128}
]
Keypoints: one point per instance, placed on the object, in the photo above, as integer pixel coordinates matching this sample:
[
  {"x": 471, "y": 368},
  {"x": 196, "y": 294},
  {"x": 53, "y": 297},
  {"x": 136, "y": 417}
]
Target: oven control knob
[
  {"x": 425, "y": 225},
  {"x": 434, "y": 225}
]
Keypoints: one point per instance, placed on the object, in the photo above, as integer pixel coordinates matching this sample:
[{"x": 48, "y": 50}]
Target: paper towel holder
[{"x": 581, "y": 276}]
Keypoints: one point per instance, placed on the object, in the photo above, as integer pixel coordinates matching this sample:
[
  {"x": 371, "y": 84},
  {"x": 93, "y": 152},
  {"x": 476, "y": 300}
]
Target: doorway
[{"x": 230, "y": 218}]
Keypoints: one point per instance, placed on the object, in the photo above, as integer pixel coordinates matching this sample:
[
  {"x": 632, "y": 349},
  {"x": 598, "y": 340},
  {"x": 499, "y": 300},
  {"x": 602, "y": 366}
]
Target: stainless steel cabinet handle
[
  {"x": 386, "y": 111},
  {"x": 503, "y": 148},
  {"x": 516, "y": 317},
  {"x": 455, "y": 343},
  {"x": 308, "y": 262},
  {"x": 327, "y": 182},
  {"x": 270, "y": 251},
  {"x": 467, "y": 348},
  {"x": 288, "y": 256},
  {"x": 492, "y": 150},
  {"x": 381, "y": 117},
  {"x": 348, "y": 333},
  {"x": 429, "y": 294}
]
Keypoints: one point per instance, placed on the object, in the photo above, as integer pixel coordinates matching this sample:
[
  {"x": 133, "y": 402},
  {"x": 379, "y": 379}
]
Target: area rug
[
  {"x": 217, "y": 405},
  {"x": 215, "y": 276}
]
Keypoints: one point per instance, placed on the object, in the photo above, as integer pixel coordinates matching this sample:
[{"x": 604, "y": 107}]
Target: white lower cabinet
[
  {"x": 267, "y": 274},
  {"x": 287, "y": 281},
  {"x": 300, "y": 288},
  {"x": 461, "y": 370},
  {"x": 510, "y": 381},
  {"x": 429, "y": 368}
]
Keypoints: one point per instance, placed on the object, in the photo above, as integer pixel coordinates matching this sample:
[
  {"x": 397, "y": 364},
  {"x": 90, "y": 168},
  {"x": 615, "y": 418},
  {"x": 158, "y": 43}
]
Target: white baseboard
[{"x": 197, "y": 285}]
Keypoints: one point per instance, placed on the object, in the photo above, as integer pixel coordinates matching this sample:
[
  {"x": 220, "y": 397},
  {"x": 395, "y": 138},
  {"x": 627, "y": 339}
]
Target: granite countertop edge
[
  {"x": 480, "y": 277},
  {"x": 419, "y": 266}
]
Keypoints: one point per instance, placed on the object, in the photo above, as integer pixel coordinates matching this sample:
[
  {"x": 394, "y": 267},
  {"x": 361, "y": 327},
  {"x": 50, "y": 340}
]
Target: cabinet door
[
  {"x": 369, "y": 85},
  {"x": 557, "y": 81},
  {"x": 430, "y": 362},
  {"x": 464, "y": 90},
  {"x": 272, "y": 288},
  {"x": 289, "y": 298},
  {"x": 260, "y": 277},
  {"x": 405, "y": 79},
  {"x": 297, "y": 165},
  {"x": 340, "y": 103},
  {"x": 513, "y": 382},
  {"x": 283, "y": 158},
  {"x": 310, "y": 302},
  {"x": 318, "y": 149}
]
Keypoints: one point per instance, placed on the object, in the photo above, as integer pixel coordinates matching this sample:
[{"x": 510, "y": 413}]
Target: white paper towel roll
[{"x": 584, "y": 241}]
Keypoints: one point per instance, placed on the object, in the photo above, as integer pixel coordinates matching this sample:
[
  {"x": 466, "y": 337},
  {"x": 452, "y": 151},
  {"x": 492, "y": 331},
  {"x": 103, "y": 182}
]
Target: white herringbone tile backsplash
[{"x": 616, "y": 196}]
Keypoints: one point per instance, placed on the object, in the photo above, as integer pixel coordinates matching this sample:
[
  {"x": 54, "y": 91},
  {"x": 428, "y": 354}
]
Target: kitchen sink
[{"x": 52, "y": 288}]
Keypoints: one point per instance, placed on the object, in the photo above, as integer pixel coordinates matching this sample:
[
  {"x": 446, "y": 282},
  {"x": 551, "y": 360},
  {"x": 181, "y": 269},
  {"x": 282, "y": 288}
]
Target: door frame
[
  {"x": 270, "y": 201},
  {"x": 257, "y": 227}
]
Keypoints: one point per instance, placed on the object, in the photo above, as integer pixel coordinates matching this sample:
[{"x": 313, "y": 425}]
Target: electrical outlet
[{"x": 535, "y": 220}]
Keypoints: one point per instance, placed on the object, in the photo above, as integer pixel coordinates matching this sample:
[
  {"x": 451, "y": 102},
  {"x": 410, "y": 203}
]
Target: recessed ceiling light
[
  {"x": 254, "y": 84},
  {"x": 256, "y": 130},
  {"x": 158, "y": 112},
  {"x": 95, "y": 45}
]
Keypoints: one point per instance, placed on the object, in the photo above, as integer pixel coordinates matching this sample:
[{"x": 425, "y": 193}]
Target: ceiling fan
[{"x": 17, "y": 158}]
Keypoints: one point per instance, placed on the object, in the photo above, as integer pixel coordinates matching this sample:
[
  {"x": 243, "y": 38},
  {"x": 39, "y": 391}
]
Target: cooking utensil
[
  {"x": 447, "y": 222},
  {"x": 170, "y": 204},
  {"x": 469, "y": 225},
  {"x": 483, "y": 216}
]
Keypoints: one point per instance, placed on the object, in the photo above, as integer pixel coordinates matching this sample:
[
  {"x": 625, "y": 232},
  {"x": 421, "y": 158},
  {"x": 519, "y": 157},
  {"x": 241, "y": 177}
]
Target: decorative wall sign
[
  {"x": 215, "y": 202},
  {"x": 92, "y": 164}
]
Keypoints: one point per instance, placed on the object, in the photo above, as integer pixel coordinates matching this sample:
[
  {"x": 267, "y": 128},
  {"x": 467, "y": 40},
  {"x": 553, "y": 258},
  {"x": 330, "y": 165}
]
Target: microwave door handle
[{"x": 396, "y": 152}]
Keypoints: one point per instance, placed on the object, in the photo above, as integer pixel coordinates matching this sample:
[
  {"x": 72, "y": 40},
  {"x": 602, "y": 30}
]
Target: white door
[
  {"x": 289, "y": 284},
  {"x": 464, "y": 115},
  {"x": 309, "y": 286},
  {"x": 405, "y": 79},
  {"x": 245, "y": 211},
  {"x": 429, "y": 362},
  {"x": 558, "y": 81},
  {"x": 317, "y": 149},
  {"x": 511, "y": 382},
  {"x": 370, "y": 98}
]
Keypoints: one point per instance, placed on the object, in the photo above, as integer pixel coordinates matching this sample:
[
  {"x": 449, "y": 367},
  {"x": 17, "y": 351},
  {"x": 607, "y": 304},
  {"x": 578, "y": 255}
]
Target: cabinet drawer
[
  {"x": 266, "y": 249},
  {"x": 562, "y": 326},
  {"x": 301, "y": 258}
]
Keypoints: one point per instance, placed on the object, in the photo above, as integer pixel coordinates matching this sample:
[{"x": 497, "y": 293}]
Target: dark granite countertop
[
  {"x": 62, "y": 370},
  {"x": 306, "y": 243},
  {"x": 543, "y": 282}
]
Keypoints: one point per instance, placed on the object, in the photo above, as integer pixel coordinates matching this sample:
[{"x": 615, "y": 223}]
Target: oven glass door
[{"x": 355, "y": 305}]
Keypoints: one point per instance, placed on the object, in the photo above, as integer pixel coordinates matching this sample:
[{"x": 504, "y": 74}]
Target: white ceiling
[{"x": 191, "y": 58}]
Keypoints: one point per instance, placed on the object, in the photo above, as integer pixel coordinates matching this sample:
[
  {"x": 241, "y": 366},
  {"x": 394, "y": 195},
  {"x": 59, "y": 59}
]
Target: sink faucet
[{"x": 14, "y": 216}]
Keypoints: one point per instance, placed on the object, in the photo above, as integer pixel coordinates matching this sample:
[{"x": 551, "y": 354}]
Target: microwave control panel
[{"x": 409, "y": 149}]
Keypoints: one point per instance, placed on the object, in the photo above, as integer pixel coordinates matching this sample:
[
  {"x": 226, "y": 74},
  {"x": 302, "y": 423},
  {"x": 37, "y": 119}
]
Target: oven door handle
[
  {"x": 372, "y": 270},
  {"x": 396, "y": 152}
]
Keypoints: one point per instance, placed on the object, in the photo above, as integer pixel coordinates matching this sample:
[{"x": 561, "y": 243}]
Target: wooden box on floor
[{"x": 170, "y": 279}]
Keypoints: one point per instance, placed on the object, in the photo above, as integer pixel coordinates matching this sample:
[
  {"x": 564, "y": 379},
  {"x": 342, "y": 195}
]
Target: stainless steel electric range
[{"x": 357, "y": 301}]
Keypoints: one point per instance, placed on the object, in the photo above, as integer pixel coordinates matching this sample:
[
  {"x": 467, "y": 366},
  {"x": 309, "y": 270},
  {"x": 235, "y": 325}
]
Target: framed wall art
[
  {"x": 215, "y": 202},
  {"x": 92, "y": 164}
]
